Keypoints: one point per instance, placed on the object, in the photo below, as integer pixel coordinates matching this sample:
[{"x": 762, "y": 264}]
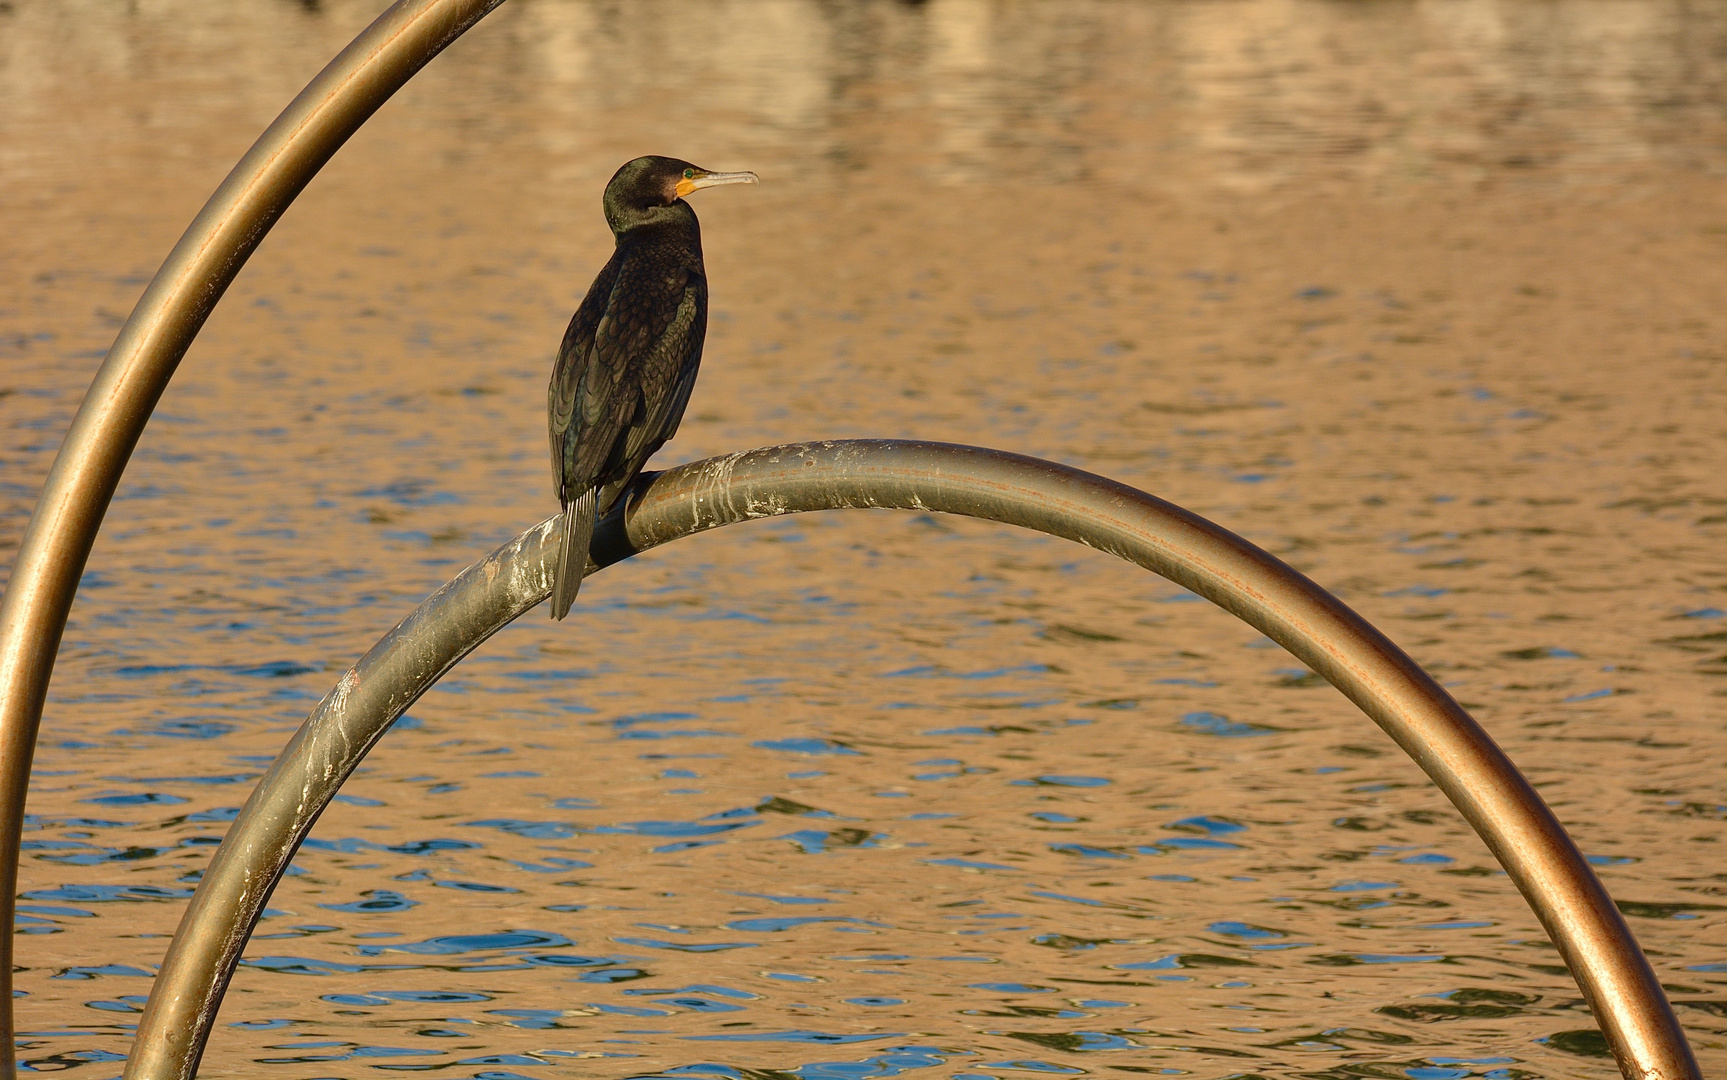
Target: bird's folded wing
[
  {"x": 670, "y": 370},
  {"x": 574, "y": 357},
  {"x": 608, "y": 379}
]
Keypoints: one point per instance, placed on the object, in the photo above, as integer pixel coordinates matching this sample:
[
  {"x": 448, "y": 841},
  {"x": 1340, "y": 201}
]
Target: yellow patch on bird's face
[{"x": 687, "y": 183}]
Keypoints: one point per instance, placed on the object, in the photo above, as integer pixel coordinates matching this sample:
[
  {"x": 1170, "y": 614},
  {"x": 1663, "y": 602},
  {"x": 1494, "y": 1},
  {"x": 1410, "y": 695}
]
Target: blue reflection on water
[
  {"x": 463, "y": 943},
  {"x": 1245, "y": 931},
  {"x": 795, "y": 1036},
  {"x": 681, "y": 946},
  {"x": 775, "y": 926},
  {"x": 972, "y": 864},
  {"x": 376, "y": 900},
  {"x": 807, "y": 746},
  {"x": 891, "y": 1061},
  {"x": 97, "y": 894},
  {"x": 1210, "y": 723}
]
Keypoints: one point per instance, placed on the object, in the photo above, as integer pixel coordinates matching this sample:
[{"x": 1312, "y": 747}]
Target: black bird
[{"x": 629, "y": 358}]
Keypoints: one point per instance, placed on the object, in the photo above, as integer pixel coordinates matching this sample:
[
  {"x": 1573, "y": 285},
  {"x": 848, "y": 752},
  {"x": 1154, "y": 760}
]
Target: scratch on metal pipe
[
  {"x": 714, "y": 482},
  {"x": 522, "y": 577},
  {"x": 764, "y": 506},
  {"x": 350, "y": 681}
]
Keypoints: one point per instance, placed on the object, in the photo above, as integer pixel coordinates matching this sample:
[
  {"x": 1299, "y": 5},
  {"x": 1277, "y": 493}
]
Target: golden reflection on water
[{"x": 1422, "y": 296}]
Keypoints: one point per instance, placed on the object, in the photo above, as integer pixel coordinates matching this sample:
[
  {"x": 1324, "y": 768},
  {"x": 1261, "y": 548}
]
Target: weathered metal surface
[{"x": 1312, "y": 624}]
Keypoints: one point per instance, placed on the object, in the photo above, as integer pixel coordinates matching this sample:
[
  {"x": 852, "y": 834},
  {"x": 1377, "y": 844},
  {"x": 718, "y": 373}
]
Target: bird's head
[{"x": 646, "y": 190}]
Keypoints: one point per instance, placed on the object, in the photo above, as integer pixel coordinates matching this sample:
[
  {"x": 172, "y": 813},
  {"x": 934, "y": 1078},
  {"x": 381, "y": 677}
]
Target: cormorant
[{"x": 629, "y": 357}]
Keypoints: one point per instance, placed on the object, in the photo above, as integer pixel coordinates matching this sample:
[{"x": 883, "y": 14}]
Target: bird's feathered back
[
  {"x": 627, "y": 363},
  {"x": 625, "y": 371}
]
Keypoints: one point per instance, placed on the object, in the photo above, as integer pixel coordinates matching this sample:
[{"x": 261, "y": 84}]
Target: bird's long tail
[{"x": 573, "y": 552}]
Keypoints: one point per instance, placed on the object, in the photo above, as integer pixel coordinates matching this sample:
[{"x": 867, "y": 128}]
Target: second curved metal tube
[
  {"x": 1312, "y": 624},
  {"x": 136, "y": 371}
]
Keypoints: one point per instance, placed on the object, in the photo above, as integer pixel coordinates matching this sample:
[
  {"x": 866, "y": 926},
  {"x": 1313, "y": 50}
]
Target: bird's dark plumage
[{"x": 629, "y": 358}]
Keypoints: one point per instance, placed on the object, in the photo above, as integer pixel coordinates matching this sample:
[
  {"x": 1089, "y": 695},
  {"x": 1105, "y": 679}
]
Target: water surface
[{"x": 1422, "y": 296}]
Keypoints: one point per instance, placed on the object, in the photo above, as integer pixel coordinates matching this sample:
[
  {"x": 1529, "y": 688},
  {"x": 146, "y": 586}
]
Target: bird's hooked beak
[{"x": 697, "y": 179}]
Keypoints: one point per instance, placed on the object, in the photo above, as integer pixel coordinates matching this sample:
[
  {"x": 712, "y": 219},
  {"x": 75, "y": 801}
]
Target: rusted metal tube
[
  {"x": 1315, "y": 626},
  {"x": 119, "y": 402}
]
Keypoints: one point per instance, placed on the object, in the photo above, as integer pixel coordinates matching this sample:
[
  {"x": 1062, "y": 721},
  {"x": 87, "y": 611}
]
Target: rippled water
[{"x": 1425, "y": 297}]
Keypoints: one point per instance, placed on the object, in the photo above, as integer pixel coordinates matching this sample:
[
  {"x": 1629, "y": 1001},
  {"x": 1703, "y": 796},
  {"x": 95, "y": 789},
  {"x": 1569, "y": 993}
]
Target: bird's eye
[{"x": 689, "y": 174}]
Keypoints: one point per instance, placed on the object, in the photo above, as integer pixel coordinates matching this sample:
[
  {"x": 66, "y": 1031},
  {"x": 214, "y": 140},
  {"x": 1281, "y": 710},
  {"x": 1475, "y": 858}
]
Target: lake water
[{"x": 1422, "y": 295}]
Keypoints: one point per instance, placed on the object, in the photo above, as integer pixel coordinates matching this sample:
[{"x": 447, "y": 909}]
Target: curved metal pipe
[
  {"x": 1312, "y": 624},
  {"x": 119, "y": 402}
]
